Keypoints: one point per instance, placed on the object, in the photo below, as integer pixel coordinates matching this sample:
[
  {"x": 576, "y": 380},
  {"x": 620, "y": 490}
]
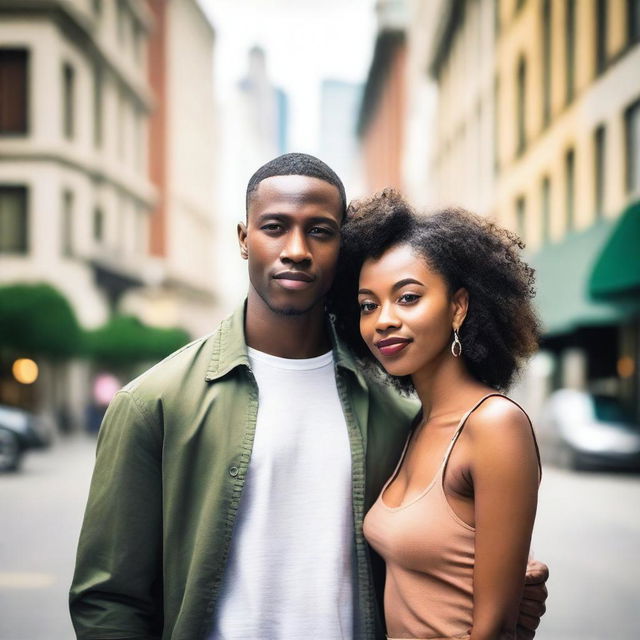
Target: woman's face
[{"x": 406, "y": 313}]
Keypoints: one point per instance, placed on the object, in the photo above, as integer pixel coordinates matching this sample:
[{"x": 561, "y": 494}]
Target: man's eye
[
  {"x": 367, "y": 307},
  {"x": 408, "y": 298},
  {"x": 320, "y": 231},
  {"x": 271, "y": 226}
]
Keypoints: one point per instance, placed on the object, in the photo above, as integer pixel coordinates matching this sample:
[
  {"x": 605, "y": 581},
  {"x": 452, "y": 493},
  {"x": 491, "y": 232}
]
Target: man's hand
[{"x": 532, "y": 605}]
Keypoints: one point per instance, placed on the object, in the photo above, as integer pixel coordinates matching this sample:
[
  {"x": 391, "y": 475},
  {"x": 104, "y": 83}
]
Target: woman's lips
[{"x": 391, "y": 346}]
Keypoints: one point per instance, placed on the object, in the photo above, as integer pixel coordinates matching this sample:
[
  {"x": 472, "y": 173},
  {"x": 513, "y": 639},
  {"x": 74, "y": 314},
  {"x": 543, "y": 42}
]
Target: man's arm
[
  {"x": 532, "y": 605},
  {"x": 117, "y": 585}
]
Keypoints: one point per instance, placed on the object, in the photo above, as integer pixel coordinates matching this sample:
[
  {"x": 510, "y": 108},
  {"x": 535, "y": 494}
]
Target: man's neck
[{"x": 285, "y": 336}]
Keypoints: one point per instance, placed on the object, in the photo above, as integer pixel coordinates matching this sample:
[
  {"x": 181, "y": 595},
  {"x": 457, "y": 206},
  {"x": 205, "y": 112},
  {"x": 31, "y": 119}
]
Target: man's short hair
[{"x": 296, "y": 164}]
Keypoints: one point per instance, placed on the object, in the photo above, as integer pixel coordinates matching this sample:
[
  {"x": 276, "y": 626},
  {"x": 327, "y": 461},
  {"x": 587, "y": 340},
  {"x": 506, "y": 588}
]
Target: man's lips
[
  {"x": 294, "y": 279},
  {"x": 391, "y": 346}
]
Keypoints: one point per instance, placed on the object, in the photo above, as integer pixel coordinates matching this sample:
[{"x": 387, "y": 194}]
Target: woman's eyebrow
[
  {"x": 405, "y": 281},
  {"x": 397, "y": 285}
]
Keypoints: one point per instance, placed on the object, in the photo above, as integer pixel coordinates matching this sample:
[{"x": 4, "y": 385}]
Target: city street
[{"x": 588, "y": 532}]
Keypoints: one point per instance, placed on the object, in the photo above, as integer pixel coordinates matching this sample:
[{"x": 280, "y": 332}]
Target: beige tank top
[{"x": 429, "y": 553}]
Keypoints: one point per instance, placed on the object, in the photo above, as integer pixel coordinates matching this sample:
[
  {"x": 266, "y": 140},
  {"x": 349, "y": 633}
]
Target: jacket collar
[
  {"x": 230, "y": 348},
  {"x": 342, "y": 354}
]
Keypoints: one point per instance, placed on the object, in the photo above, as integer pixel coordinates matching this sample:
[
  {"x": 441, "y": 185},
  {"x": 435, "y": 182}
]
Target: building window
[
  {"x": 521, "y": 221},
  {"x": 121, "y": 125},
  {"x": 13, "y": 90},
  {"x": 632, "y": 135},
  {"x": 599, "y": 170},
  {"x": 633, "y": 21},
  {"x": 137, "y": 42},
  {"x": 546, "y": 62},
  {"x": 601, "y": 35},
  {"x": 13, "y": 219},
  {"x": 570, "y": 51},
  {"x": 98, "y": 225},
  {"x": 141, "y": 231},
  {"x": 67, "y": 223},
  {"x": 546, "y": 209},
  {"x": 121, "y": 21},
  {"x": 68, "y": 100},
  {"x": 570, "y": 184},
  {"x": 521, "y": 114},
  {"x": 97, "y": 107},
  {"x": 496, "y": 132}
]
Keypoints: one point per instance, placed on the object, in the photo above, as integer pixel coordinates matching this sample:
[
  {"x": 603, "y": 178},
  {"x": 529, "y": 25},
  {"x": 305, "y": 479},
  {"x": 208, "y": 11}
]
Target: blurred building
[
  {"x": 340, "y": 102},
  {"x": 263, "y": 109},
  {"x": 381, "y": 120},
  {"x": 539, "y": 125},
  {"x": 74, "y": 185},
  {"x": 182, "y": 167},
  {"x": 462, "y": 60},
  {"x": 106, "y": 186},
  {"x": 256, "y": 116}
]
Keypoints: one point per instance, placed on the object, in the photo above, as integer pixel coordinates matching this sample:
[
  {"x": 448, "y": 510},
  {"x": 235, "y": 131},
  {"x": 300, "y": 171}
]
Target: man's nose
[
  {"x": 387, "y": 318},
  {"x": 296, "y": 248}
]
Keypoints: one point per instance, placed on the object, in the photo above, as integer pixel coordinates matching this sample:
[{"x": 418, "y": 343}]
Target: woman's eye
[
  {"x": 367, "y": 307},
  {"x": 408, "y": 298}
]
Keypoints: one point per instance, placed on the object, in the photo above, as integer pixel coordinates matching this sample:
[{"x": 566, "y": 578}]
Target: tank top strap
[{"x": 461, "y": 425}]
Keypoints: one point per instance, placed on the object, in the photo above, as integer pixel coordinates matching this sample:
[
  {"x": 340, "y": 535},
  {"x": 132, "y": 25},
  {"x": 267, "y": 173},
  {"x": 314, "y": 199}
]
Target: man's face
[{"x": 291, "y": 240}]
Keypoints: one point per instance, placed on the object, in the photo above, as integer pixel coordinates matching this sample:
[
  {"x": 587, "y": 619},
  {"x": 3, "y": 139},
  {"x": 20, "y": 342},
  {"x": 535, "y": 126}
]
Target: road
[
  {"x": 41, "y": 511},
  {"x": 588, "y": 532}
]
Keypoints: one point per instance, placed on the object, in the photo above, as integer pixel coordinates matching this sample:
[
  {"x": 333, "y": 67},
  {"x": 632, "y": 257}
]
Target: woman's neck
[{"x": 444, "y": 387}]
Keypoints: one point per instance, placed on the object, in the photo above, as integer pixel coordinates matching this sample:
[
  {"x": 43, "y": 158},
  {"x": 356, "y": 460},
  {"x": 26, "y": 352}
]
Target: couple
[{"x": 232, "y": 479}]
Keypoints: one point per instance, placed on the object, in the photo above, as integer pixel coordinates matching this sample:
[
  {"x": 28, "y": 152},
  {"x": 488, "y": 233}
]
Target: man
[{"x": 231, "y": 479}]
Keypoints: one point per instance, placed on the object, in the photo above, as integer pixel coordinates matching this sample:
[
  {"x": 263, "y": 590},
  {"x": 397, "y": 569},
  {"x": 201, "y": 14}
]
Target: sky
[{"x": 306, "y": 41}]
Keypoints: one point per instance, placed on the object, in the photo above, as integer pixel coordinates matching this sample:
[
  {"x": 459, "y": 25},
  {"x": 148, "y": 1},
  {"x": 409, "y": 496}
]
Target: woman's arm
[{"x": 504, "y": 471}]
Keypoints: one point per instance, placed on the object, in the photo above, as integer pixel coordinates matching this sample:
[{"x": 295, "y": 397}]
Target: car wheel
[{"x": 10, "y": 451}]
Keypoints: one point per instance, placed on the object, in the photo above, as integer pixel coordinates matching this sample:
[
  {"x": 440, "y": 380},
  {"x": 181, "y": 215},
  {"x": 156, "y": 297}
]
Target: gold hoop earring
[{"x": 456, "y": 345}]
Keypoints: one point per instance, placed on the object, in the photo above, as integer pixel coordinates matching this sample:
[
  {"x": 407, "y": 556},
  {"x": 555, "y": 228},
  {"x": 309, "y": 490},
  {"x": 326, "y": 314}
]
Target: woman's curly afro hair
[{"x": 501, "y": 328}]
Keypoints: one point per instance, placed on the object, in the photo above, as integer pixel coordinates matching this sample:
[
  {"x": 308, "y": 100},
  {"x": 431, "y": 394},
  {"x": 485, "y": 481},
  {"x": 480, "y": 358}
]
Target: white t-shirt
[{"x": 289, "y": 574}]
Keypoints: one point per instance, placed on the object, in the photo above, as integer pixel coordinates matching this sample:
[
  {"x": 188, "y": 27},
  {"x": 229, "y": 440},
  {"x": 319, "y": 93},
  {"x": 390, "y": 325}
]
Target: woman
[{"x": 444, "y": 307}]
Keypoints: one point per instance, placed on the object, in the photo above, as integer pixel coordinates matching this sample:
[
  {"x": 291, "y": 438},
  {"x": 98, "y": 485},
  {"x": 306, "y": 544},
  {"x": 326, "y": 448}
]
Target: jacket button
[{"x": 233, "y": 471}]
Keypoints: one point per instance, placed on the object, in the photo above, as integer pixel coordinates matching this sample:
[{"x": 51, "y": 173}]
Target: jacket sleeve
[{"x": 117, "y": 585}]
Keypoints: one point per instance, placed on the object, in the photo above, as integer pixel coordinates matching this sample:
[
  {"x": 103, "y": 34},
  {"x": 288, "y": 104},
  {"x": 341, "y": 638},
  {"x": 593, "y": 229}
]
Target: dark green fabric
[
  {"x": 616, "y": 274},
  {"x": 562, "y": 275},
  {"x": 172, "y": 458}
]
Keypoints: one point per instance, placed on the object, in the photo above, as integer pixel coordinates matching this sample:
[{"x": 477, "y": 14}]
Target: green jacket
[{"x": 172, "y": 458}]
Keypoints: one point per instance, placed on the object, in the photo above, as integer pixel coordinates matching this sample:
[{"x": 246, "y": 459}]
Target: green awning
[
  {"x": 616, "y": 275},
  {"x": 562, "y": 276}
]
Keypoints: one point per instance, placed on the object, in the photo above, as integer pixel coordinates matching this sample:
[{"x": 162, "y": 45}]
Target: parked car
[
  {"x": 580, "y": 430},
  {"x": 20, "y": 430}
]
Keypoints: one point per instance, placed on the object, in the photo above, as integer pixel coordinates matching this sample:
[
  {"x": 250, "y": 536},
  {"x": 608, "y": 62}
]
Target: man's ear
[
  {"x": 242, "y": 240},
  {"x": 460, "y": 302}
]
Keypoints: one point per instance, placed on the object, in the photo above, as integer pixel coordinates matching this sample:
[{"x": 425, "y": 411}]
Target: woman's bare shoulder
[{"x": 499, "y": 418}]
